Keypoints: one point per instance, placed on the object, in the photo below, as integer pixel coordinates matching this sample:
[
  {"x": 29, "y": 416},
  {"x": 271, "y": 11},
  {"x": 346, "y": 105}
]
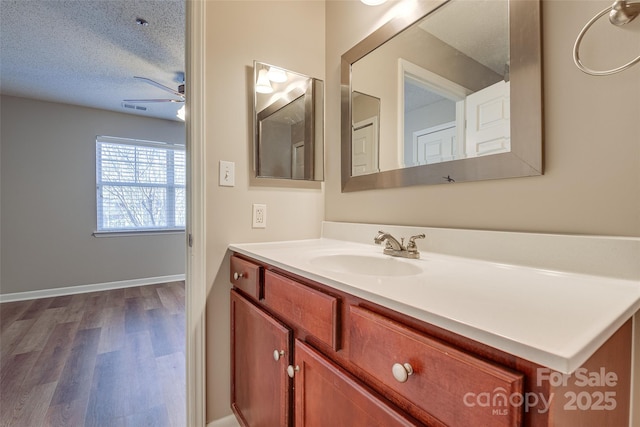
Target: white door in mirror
[
  {"x": 364, "y": 148},
  {"x": 488, "y": 121}
]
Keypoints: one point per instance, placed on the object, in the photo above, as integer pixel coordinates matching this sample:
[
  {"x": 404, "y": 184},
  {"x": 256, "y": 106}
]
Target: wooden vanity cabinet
[{"x": 342, "y": 352}]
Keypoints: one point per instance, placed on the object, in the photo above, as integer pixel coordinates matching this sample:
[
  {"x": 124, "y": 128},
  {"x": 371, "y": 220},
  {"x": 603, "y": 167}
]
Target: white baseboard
[
  {"x": 81, "y": 289},
  {"x": 229, "y": 421}
]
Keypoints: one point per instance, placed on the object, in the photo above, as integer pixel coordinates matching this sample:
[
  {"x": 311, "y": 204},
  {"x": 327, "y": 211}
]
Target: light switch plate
[
  {"x": 227, "y": 174},
  {"x": 259, "y": 216}
]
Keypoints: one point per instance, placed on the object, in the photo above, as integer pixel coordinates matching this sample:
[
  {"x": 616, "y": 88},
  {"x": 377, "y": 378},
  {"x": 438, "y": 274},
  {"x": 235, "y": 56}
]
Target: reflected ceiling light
[
  {"x": 277, "y": 75},
  {"x": 373, "y": 2},
  {"x": 263, "y": 85},
  {"x": 181, "y": 113}
]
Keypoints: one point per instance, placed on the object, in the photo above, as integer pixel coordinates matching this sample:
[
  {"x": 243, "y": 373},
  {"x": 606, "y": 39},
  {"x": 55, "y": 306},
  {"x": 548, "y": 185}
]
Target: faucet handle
[
  {"x": 380, "y": 237},
  {"x": 412, "y": 242}
]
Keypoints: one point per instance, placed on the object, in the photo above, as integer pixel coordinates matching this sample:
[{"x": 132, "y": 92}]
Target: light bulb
[
  {"x": 277, "y": 75},
  {"x": 263, "y": 85}
]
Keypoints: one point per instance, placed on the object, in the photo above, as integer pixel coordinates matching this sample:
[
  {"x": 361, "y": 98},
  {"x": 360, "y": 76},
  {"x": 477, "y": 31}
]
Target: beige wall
[
  {"x": 591, "y": 183},
  {"x": 49, "y": 200},
  {"x": 289, "y": 34}
]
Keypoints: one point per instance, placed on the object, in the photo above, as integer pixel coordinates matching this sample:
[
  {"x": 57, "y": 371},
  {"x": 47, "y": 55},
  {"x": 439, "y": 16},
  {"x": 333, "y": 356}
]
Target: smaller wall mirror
[{"x": 288, "y": 124}]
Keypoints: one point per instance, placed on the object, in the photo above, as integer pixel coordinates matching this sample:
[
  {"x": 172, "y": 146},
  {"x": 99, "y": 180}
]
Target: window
[{"x": 140, "y": 185}]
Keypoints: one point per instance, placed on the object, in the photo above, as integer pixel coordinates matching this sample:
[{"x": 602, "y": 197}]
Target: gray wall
[{"x": 48, "y": 200}]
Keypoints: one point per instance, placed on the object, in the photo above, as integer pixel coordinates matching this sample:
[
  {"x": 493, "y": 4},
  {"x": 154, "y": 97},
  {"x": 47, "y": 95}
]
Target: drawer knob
[
  {"x": 401, "y": 372},
  {"x": 237, "y": 275},
  {"x": 277, "y": 354},
  {"x": 291, "y": 370}
]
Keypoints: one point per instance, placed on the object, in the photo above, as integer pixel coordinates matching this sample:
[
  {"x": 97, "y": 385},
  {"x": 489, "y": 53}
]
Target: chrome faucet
[
  {"x": 394, "y": 248},
  {"x": 392, "y": 242}
]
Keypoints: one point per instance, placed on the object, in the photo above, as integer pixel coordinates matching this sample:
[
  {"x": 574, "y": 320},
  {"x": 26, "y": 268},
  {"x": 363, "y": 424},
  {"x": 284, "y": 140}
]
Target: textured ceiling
[
  {"x": 479, "y": 29},
  {"x": 87, "y": 52}
]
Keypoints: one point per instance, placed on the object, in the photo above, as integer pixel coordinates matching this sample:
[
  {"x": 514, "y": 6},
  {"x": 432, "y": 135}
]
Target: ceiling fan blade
[
  {"x": 160, "y": 86},
  {"x": 143, "y": 101}
]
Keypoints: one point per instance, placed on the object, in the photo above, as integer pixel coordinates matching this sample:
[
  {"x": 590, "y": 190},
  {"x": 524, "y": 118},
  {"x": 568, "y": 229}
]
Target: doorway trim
[{"x": 195, "y": 288}]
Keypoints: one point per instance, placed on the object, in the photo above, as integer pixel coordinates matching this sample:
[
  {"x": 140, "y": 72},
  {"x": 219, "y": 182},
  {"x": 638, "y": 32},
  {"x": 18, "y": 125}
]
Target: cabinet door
[
  {"x": 326, "y": 395},
  {"x": 260, "y": 352}
]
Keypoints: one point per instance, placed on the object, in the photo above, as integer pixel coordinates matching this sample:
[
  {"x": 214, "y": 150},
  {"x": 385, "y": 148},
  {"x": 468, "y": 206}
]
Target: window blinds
[{"x": 140, "y": 185}]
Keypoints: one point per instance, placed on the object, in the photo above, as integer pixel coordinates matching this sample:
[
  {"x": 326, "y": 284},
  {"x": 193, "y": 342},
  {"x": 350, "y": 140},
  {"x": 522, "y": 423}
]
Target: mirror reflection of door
[
  {"x": 443, "y": 123},
  {"x": 436, "y": 144},
  {"x": 432, "y": 120},
  {"x": 365, "y": 140},
  {"x": 488, "y": 121},
  {"x": 364, "y": 156}
]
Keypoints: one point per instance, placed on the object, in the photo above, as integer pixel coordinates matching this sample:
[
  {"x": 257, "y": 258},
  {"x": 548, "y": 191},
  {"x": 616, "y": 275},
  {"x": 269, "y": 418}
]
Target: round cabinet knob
[
  {"x": 277, "y": 354},
  {"x": 401, "y": 372},
  {"x": 291, "y": 370},
  {"x": 237, "y": 275}
]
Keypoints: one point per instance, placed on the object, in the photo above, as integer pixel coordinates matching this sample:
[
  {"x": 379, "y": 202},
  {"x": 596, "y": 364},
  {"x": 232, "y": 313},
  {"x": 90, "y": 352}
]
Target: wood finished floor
[{"x": 111, "y": 358}]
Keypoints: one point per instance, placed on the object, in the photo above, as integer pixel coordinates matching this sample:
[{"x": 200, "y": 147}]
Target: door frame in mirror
[{"x": 526, "y": 155}]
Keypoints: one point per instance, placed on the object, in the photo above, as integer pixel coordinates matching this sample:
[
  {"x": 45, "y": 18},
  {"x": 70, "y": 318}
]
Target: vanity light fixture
[
  {"x": 263, "y": 85},
  {"x": 277, "y": 75},
  {"x": 181, "y": 113},
  {"x": 373, "y": 2}
]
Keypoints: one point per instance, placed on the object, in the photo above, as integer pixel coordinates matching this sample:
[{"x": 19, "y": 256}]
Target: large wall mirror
[
  {"x": 288, "y": 124},
  {"x": 451, "y": 92}
]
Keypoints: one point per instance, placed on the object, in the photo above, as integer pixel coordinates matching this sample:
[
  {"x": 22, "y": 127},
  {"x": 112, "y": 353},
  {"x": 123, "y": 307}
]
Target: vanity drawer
[
  {"x": 446, "y": 383},
  {"x": 245, "y": 276},
  {"x": 313, "y": 311}
]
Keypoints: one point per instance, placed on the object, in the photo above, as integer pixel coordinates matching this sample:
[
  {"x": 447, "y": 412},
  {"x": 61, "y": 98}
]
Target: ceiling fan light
[
  {"x": 263, "y": 85},
  {"x": 181, "y": 113},
  {"x": 277, "y": 75},
  {"x": 373, "y": 2}
]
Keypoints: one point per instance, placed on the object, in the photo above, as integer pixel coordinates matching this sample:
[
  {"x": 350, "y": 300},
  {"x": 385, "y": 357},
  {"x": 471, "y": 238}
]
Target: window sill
[{"x": 136, "y": 233}]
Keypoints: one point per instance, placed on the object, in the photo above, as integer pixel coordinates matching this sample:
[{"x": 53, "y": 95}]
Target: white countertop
[{"x": 552, "y": 318}]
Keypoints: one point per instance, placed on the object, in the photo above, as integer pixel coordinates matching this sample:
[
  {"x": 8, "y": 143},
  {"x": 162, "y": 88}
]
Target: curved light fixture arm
[{"x": 619, "y": 14}]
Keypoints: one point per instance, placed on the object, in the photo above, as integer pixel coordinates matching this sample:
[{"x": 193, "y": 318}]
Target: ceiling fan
[{"x": 179, "y": 93}]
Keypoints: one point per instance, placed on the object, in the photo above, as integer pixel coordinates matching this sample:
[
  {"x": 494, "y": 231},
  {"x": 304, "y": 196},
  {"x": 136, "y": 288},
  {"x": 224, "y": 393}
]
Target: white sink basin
[{"x": 366, "y": 265}]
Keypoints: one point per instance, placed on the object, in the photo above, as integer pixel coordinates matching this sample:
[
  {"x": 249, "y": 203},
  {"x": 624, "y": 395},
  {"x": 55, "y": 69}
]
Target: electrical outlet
[{"x": 259, "y": 216}]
